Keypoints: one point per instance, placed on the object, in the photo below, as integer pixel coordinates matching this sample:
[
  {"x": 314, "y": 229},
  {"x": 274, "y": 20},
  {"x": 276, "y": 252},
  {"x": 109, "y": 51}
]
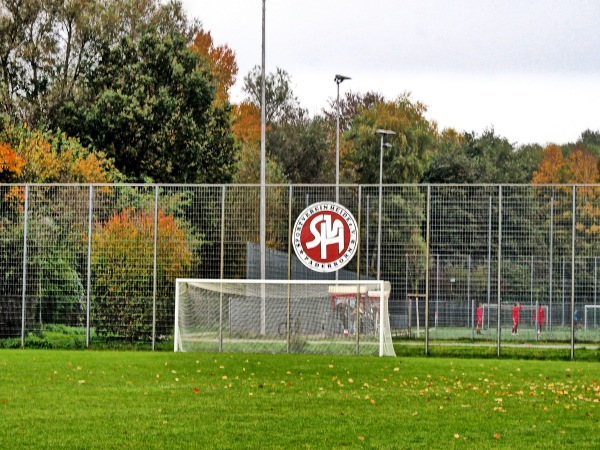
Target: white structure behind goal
[
  {"x": 281, "y": 316},
  {"x": 591, "y": 312}
]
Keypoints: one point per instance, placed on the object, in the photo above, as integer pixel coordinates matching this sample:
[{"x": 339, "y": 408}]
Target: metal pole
[
  {"x": 551, "y": 250},
  {"x": 489, "y": 267},
  {"x": 263, "y": 201},
  {"x": 595, "y": 289},
  {"x": 437, "y": 290},
  {"x": 469, "y": 285},
  {"x": 573, "y": 229},
  {"x": 337, "y": 143},
  {"x": 563, "y": 290},
  {"x": 382, "y": 133},
  {"x": 222, "y": 266},
  {"x": 359, "y": 225},
  {"x": 531, "y": 283},
  {"x": 472, "y": 303},
  {"x": 338, "y": 80},
  {"x": 89, "y": 268},
  {"x": 367, "y": 236},
  {"x": 379, "y": 209},
  {"x": 289, "y": 274},
  {"x": 427, "y": 270},
  {"x": 24, "y": 286},
  {"x": 154, "y": 269},
  {"x": 499, "y": 287}
]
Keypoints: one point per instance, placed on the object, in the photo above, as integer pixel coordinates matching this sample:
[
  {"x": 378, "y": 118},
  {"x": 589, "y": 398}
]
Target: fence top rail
[{"x": 348, "y": 185}]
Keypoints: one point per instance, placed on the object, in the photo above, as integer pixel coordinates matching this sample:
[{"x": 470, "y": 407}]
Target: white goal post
[
  {"x": 585, "y": 315},
  {"x": 283, "y": 316}
]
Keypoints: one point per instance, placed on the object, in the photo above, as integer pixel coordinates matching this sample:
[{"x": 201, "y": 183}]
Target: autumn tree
[
  {"x": 11, "y": 164},
  {"x": 123, "y": 259},
  {"x": 51, "y": 157},
  {"x": 221, "y": 61},
  {"x": 551, "y": 169}
]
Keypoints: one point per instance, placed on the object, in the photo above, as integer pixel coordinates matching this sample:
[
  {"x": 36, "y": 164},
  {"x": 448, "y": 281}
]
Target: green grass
[{"x": 107, "y": 399}]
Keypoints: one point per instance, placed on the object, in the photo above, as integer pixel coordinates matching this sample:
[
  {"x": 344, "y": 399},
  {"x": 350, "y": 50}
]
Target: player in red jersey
[{"x": 516, "y": 313}]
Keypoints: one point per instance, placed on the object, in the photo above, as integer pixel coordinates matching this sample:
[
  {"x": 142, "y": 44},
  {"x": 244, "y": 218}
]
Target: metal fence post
[
  {"x": 427, "y": 270},
  {"x": 573, "y": 229},
  {"x": 24, "y": 286},
  {"x": 89, "y": 267},
  {"x": 154, "y": 269},
  {"x": 499, "y": 287},
  {"x": 551, "y": 255},
  {"x": 222, "y": 266},
  {"x": 489, "y": 265}
]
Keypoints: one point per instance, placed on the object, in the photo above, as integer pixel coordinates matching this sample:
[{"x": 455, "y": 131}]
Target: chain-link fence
[{"x": 99, "y": 261}]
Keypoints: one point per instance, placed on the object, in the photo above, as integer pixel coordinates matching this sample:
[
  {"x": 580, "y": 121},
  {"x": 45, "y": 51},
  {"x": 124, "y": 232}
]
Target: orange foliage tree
[
  {"x": 36, "y": 156},
  {"x": 551, "y": 169},
  {"x": 579, "y": 167},
  {"x": 221, "y": 60},
  {"x": 122, "y": 256},
  {"x": 11, "y": 164}
]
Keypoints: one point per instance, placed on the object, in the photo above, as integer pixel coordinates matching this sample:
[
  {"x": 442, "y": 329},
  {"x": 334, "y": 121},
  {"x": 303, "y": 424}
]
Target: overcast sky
[{"x": 529, "y": 69}]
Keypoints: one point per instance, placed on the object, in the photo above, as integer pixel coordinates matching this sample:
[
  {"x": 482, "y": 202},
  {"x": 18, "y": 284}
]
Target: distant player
[
  {"x": 478, "y": 319},
  {"x": 516, "y": 314},
  {"x": 539, "y": 318}
]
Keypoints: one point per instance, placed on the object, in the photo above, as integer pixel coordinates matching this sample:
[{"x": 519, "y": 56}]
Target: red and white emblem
[{"x": 325, "y": 236}]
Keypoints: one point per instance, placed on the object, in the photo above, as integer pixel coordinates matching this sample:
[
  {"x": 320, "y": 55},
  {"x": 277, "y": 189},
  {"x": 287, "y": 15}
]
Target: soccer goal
[
  {"x": 490, "y": 314},
  {"x": 591, "y": 312},
  {"x": 281, "y": 316}
]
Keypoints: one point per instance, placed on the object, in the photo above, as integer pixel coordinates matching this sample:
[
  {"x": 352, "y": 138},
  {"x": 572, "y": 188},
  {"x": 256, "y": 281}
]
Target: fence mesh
[{"x": 98, "y": 262}]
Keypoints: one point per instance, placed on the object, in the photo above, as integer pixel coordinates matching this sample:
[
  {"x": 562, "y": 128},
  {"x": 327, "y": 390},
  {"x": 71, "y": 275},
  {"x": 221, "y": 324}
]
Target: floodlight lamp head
[
  {"x": 339, "y": 78},
  {"x": 385, "y": 132}
]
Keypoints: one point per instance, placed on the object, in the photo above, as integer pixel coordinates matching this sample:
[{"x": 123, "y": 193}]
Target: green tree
[
  {"x": 303, "y": 147},
  {"x": 405, "y": 161},
  {"x": 449, "y": 163},
  {"x": 280, "y": 102},
  {"x": 351, "y": 105},
  {"x": 47, "y": 47},
  {"x": 151, "y": 108},
  {"x": 470, "y": 158}
]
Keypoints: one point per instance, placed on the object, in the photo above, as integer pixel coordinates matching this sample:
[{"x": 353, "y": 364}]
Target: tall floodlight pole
[
  {"x": 263, "y": 158},
  {"x": 383, "y": 134},
  {"x": 338, "y": 79}
]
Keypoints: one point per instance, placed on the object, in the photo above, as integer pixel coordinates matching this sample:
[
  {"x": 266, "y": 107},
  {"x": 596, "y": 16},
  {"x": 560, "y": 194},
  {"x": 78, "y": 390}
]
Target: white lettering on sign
[{"x": 328, "y": 234}]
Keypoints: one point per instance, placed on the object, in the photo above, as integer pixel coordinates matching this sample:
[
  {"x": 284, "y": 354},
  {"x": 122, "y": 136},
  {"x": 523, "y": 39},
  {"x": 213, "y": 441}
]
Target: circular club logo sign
[{"x": 325, "y": 236}]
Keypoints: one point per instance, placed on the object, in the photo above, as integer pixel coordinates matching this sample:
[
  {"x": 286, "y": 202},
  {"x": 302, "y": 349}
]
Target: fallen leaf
[{"x": 196, "y": 390}]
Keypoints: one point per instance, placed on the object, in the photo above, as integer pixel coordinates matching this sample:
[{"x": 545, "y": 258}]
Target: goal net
[
  {"x": 591, "y": 313},
  {"x": 281, "y": 316}
]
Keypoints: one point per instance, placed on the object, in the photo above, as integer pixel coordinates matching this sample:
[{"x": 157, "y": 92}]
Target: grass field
[{"x": 107, "y": 399}]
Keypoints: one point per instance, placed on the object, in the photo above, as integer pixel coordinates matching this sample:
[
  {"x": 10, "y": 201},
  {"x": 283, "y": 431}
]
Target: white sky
[{"x": 529, "y": 69}]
